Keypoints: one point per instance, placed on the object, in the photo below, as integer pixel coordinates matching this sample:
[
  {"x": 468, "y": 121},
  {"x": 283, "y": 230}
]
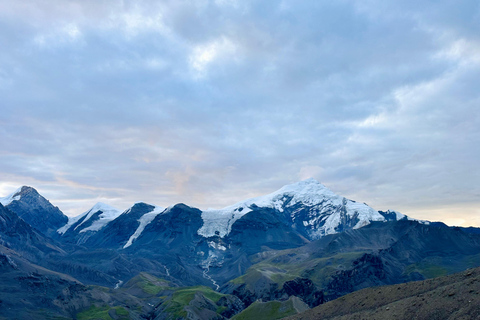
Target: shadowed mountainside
[{"x": 450, "y": 297}]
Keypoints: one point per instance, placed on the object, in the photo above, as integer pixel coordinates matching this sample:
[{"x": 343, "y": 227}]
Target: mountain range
[{"x": 298, "y": 247}]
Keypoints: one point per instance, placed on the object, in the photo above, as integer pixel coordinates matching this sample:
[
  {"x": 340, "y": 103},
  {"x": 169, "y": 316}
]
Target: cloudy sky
[{"x": 210, "y": 102}]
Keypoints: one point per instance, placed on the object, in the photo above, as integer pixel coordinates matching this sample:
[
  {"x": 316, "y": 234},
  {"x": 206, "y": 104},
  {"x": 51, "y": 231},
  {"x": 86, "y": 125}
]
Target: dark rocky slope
[
  {"x": 450, "y": 297},
  {"x": 379, "y": 254},
  {"x": 37, "y": 211},
  {"x": 18, "y": 235}
]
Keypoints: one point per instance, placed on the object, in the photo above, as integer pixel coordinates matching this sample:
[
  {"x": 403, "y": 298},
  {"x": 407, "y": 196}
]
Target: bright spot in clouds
[{"x": 203, "y": 55}]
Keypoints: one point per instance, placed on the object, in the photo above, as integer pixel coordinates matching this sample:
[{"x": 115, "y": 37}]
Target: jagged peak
[
  {"x": 23, "y": 192},
  {"x": 17, "y": 195},
  {"x": 309, "y": 192},
  {"x": 5, "y": 201},
  {"x": 27, "y": 189}
]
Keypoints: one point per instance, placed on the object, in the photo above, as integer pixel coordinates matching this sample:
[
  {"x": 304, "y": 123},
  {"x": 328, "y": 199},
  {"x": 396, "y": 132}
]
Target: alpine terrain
[{"x": 269, "y": 257}]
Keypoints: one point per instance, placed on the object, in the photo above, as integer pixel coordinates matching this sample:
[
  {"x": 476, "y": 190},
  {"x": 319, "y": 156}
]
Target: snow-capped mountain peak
[
  {"x": 108, "y": 213},
  {"x": 319, "y": 209},
  {"x": 220, "y": 221}
]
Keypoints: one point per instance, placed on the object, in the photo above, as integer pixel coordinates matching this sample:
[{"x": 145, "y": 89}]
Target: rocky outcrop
[
  {"x": 37, "y": 211},
  {"x": 304, "y": 289},
  {"x": 452, "y": 297},
  {"x": 367, "y": 271}
]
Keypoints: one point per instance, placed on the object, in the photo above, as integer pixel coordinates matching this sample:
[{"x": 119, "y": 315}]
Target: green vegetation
[
  {"x": 433, "y": 271},
  {"x": 150, "y": 288},
  {"x": 182, "y": 297},
  {"x": 325, "y": 267},
  {"x": 287, "y": 265},
  {"x": 266, "y": 311},
  {"x": 173, "y": 300},
  {"x": 121, "y": 312},
  {"x": 185, "y": 295},
  {"x": 150, "y": 284},
  {"x": 437, "y": 266},
  {"x": 101, "y": 313},
  {"x": 429, "y": 268},
  {"x": 472, "y": 261},
  {"x": 221, "y": 309},
  {"x": 94, "y": 313}
]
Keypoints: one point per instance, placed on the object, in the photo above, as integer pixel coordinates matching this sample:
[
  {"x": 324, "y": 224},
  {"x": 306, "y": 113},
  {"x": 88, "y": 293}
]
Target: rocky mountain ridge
[
  {"x": 307, "y": 206},
  {"x": 37, "y": 211},
  {"x": 295, "y": 248}
]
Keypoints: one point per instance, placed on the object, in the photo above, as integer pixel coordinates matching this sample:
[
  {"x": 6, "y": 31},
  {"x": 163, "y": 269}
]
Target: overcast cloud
[{"x": 210, "y": 102}]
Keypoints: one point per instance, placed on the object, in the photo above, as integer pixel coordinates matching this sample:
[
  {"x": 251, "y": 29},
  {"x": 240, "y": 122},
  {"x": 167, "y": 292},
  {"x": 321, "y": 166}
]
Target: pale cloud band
[{"x": 210, "y": 102}]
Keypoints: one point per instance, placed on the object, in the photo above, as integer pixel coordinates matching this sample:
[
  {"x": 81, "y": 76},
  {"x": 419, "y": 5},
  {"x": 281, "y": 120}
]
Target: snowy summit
[
  {"x": 323, "y": 217},
  {"x": 107, "y": 214}
]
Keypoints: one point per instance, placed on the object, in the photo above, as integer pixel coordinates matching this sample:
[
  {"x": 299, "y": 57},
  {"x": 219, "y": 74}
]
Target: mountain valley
[{"x": 276, "y": 255}]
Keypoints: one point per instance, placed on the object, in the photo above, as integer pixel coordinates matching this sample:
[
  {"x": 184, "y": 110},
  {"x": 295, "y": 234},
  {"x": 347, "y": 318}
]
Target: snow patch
[
  {"x": 71, "y": 221},
  {"x": 219, "y": 222},
  {"x": 310, "y": 192},
  {"x": 5, "y": 201},
  {"x": 323, "y": 219},
  {"x": 108, "y": 214},
  {"x": 364, "y": 213},
  {"x": 401, "y": 216},
  {"x": 217, "y": 246},
  {"x": 119, "y": 283},
  {"x": 144, "y": 221}
]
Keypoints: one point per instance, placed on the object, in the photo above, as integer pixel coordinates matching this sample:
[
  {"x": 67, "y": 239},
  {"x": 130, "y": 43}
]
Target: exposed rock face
[
  {"x": 174, "y": 229},
  {"x": 264, "y": 227},
  {"x": 201, "y": 308},
  {"x": 302, "y": 244},
  {"x": 37, "y": 211},
  {"x": 452, "y": 297},
  {"x": 367, "y": 271},
  {"x": 116, "y": 233},
  {"x": 212, "y": 247},
  {"x": 28, "y": 291},
  {"x": 18, "y": 235},
  {"x": 267, "y": 290},
  {"x": 379, "y": 254},
  {"x": 6, "y": 263},
  {"x": 308, "y": 207},
  {"x": 232, "y": 304},
  {"x": 304, "y": 289}
]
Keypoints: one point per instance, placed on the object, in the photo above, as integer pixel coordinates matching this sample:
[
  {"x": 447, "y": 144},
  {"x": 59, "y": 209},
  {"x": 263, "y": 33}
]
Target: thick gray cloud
[{"x": 209, "y": 102}]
